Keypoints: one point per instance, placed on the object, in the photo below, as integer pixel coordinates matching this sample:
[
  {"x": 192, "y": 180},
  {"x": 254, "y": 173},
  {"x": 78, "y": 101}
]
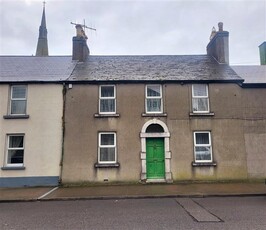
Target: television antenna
[{"x": 83, "y": 25}]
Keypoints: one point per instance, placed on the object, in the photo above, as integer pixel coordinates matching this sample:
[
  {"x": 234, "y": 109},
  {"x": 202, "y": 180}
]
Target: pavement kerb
[
  {"x": 130, "y": 197},
  {"x": 18, "y": 200},
  {"x": 149, "y": 197}
]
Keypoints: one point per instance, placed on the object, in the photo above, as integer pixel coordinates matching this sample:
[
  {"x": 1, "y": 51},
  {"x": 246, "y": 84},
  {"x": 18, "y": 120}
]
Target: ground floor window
[
  {"x": 15, "y": 150},
  {"x": 107, "y": 147},
  {"x": 202, "y": 146}
]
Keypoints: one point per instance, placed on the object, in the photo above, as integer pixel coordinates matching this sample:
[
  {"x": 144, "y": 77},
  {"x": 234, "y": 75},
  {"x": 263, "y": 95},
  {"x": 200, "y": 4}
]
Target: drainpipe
[{"x": 63, "y": 133}]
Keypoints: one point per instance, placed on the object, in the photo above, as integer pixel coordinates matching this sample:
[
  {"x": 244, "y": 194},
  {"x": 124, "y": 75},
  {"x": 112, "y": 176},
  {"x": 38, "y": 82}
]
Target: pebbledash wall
[
  {"x": 254, "y": 130},
  {"x": 42, "y": 132},
  {"x": 237, "y": 127}
]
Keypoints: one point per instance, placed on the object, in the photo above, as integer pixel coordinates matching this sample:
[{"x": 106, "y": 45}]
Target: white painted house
[{"x": 31, "y": 108}]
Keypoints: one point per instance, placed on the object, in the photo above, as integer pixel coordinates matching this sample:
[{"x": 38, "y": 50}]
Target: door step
[{"x": 156, "y": 181}]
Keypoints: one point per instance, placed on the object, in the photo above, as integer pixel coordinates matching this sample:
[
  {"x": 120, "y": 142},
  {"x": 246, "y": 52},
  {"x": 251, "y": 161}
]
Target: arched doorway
[{"x": 155, "y": 152}]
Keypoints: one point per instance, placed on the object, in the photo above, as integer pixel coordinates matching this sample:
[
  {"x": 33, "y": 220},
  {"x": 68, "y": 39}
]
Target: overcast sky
[{"x": 135, "y": 27}]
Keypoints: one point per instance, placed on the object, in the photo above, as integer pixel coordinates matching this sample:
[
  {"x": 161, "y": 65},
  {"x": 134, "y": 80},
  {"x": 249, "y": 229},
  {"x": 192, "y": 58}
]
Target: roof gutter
[
  {"x": 236, "y": 81},
  {"x": 253, "y": 85}
]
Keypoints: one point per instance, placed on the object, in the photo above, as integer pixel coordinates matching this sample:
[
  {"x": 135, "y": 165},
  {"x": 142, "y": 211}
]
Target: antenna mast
[{"x": 84, "y": 25}]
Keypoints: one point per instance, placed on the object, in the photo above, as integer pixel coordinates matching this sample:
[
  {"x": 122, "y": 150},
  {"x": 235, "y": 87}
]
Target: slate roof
[
  {"x": 251, "y": 74},
  {"x": 35, "y": 69},
  {"x": 114, "y": 68},
  {"x": 152, "y": 68}
]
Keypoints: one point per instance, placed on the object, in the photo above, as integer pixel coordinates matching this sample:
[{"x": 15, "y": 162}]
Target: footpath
[{"x": 131, "y": 191}]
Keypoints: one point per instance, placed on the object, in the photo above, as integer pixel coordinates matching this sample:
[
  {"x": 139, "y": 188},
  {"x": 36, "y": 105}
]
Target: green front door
[{"x": 155, "y": 158}]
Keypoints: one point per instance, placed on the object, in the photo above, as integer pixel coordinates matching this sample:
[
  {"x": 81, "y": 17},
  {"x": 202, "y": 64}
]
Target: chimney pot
[
  {"x": 80, "y": 32},
  {"x": 220, "y": 25},
  {"x": 213, "y": 33}
]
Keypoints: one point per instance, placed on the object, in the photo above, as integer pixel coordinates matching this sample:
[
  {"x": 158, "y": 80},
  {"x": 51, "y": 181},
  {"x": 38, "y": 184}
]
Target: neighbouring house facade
[
  {"x": 31, "y": 106},
  {"x": 31, "y": 102},
  {"x": 161, "y": 118},
  {"x": 254, "y": 125}
]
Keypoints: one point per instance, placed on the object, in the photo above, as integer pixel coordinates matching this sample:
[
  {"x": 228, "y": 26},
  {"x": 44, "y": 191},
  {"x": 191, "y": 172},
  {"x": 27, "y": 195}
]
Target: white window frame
[
  {"x": 17, "y": 99},
  {"x": 153, "y": 97},
  {"x": 107, "y": 98},
  {"x": 203, "y": 97},
  {"x": 17, "y": 148},
  {"x": 202, "y": 145},
  {"x": 106, "y": 146}
]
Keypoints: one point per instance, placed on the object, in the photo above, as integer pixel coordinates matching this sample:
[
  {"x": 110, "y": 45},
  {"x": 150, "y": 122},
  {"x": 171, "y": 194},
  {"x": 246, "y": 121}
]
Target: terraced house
[
  {"x": 148, "y": 119},
  {"x": 31, "y": 109},
  {"x": 31, "y": 119},
  {"x": 162, "y": 118}
]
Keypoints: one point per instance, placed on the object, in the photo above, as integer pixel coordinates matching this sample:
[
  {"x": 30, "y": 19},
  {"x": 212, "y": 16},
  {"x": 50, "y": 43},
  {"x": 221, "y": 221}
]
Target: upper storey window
[
  {"x": 200, "y": 98},
  {"x": 154, "y": 99},
  {"x": 18, "y": 100},
  {"x": 107, "y": 102}
]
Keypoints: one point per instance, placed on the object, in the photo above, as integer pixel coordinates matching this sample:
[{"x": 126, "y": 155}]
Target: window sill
[
  {"x": 111, "y": 165},
  {"x": 97, "y": 115},
  {"x": 201, "y": 114},
  {"x": 16, "y": 116},
  {"x": 13, "y": 168},
  {"x": 154, "y": 114},
  {"x": 204, "y": 164}
]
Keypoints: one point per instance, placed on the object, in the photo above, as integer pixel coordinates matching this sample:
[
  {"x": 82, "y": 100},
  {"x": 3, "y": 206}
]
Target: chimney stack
[
  {"x": 218, "y": 46},
  {"x": 262, "y": 48},
  {"x": 80, "y": 50}
]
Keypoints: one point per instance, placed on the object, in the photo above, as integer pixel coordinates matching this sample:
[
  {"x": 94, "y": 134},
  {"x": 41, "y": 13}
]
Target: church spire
[{"x": 42, "y": 46}]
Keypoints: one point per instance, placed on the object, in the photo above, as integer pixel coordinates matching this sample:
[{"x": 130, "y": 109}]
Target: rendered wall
[
  {"x": 227, "y": 126},
  {"x": 255, "y": 132},
  {"x": 43, "y": 136}
]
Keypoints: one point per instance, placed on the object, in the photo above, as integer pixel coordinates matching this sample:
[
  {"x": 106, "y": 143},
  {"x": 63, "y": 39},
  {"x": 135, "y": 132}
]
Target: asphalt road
[{"x": 168, "y": 213}]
